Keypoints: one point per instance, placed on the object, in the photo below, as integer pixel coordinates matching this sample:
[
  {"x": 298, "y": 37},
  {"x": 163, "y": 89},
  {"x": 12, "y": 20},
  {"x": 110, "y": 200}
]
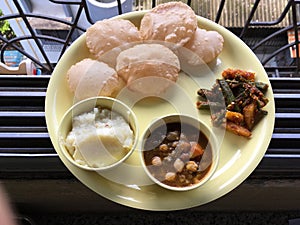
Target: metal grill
[{"x": 244, "y": 18}]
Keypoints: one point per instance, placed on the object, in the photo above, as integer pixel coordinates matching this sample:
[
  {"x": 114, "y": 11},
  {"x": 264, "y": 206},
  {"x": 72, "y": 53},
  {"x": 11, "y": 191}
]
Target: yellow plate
[{"x": 129, "y": 184}]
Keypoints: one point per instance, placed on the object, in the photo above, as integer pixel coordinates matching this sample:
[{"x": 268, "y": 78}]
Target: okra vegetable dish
[
  {"x": 173, "y": 156},
  {"x": 236, "y": 101}
]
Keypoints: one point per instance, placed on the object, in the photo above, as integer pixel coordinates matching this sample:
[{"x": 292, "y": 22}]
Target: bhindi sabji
[{"x": 236, "y": 101}]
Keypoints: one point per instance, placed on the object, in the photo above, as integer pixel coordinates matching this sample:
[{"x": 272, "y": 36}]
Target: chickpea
[
  {"x": 168, "y": 159},
  {"x": 163, "y": 148},
  {"x": 174, "y": 144},
  {"x": 170, "y": 176},
  {"x": 192, "y": 166},
  {"x": 173, "y": 136},
  {"x": 182, "y": 178},
  {"x": 172, "y": 154},
  {"x": 156, "y": 161}
]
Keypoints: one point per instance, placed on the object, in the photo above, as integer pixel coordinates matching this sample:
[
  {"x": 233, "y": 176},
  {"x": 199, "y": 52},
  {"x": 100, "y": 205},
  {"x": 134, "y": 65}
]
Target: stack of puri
[{"x": 145, "y": 59}]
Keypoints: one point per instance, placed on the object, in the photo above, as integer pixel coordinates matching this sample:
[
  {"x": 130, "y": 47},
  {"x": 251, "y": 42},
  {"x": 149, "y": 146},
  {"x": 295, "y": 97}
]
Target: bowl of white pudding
[{"x": 98, "y": 133}]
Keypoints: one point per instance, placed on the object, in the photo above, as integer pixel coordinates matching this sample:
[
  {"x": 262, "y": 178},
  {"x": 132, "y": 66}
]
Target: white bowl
[
  {"x": 189, "y": 126},
  {"x": 101, "y": 157}
]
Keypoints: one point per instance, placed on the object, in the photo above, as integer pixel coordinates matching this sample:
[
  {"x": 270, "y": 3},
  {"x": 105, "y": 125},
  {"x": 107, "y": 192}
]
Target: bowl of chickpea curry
[{"x": 179, "y": 152}]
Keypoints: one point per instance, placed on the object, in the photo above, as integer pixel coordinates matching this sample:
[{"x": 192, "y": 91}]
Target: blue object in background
[{"x": 12, "y": 58}]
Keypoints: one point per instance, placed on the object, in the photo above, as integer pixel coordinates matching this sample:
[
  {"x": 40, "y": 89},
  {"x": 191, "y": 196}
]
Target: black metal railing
[
  {"x": 48, "y": 66},
  {"x": 293, "y": 8},
  {"x": 245, "y": 32}
]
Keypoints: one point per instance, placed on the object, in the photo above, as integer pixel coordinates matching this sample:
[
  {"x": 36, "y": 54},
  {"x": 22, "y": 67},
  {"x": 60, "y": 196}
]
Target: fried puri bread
[
  {"x": 173, "y": 22},
  {"x": 207, "y": 45},
  {"x": 105, "y": 35},
  {"x": 89, "y": 78},
  {"x": 148, "y": 68}
]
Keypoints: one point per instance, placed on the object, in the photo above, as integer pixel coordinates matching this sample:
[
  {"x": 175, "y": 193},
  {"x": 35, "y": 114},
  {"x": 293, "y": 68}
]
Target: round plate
[{"x": 129, "y": 184}]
